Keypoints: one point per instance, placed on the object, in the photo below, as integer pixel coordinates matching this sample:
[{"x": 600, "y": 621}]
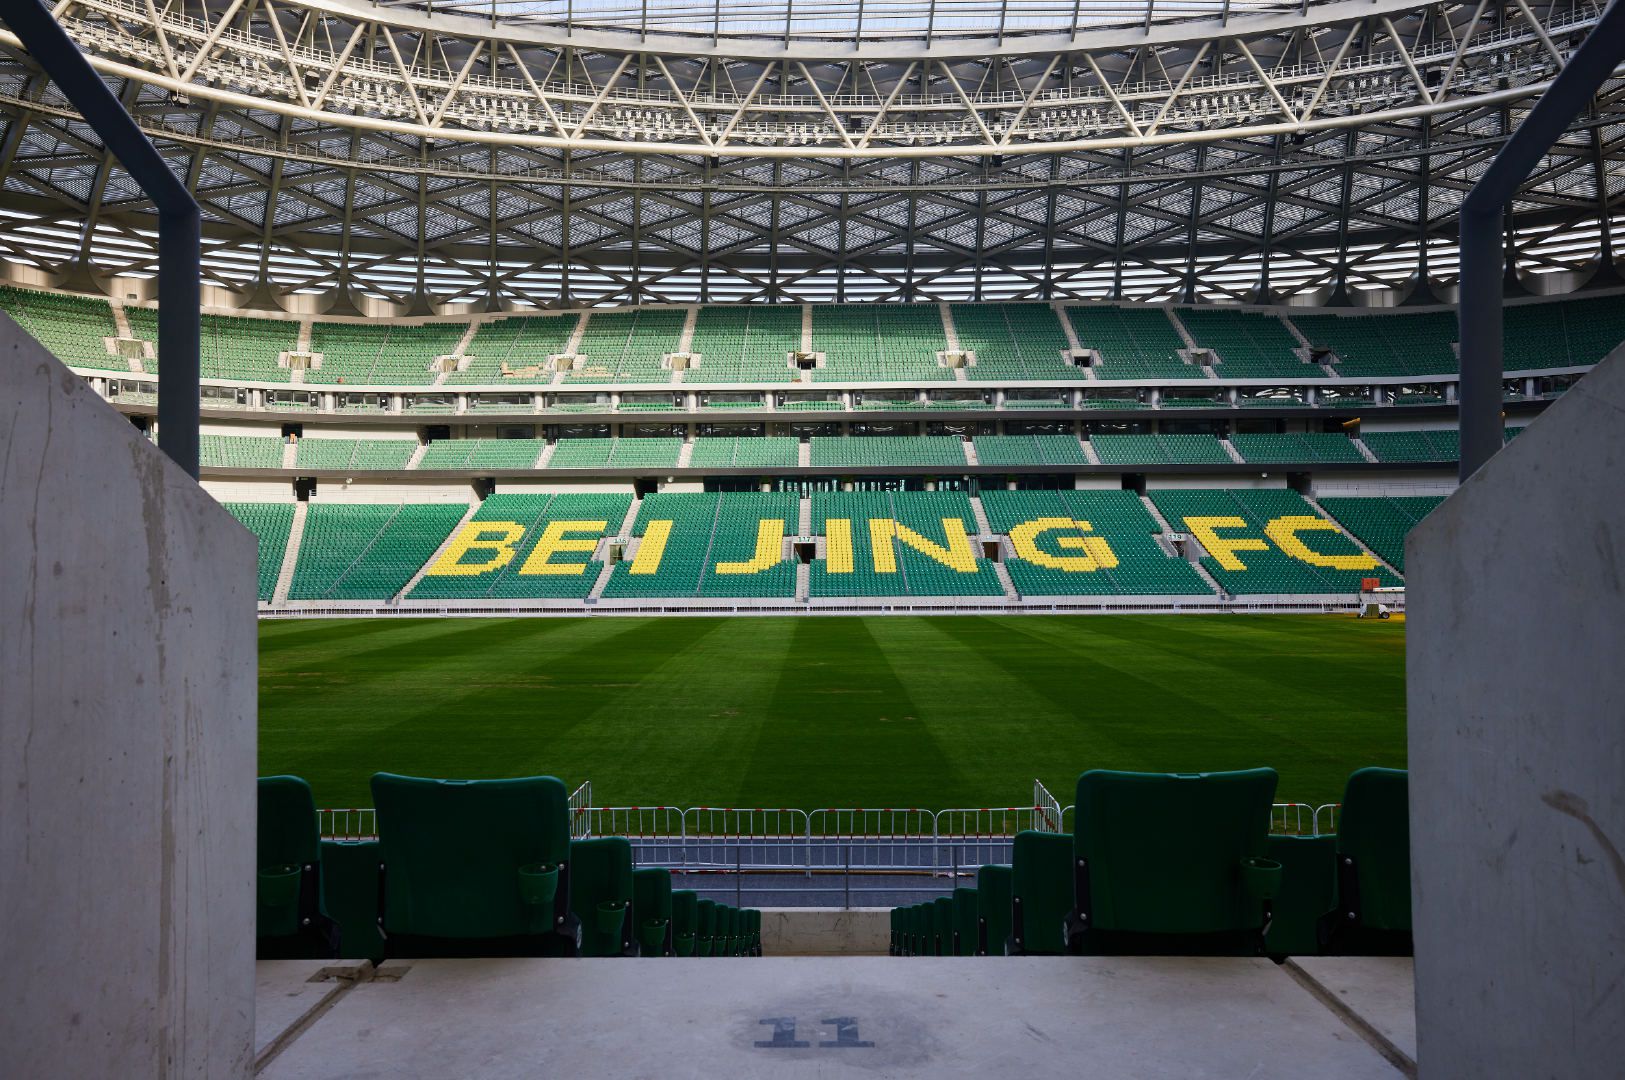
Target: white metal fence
[{"x": 892, "y": 851}]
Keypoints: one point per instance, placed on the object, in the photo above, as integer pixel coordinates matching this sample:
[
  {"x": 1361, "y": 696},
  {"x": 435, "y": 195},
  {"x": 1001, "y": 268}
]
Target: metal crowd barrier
[{"x": 890, "y": 853}]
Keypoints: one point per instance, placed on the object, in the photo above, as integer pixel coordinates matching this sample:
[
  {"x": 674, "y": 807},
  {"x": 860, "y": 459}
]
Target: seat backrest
[
  {"x": 1308, "y": 891},
  {"x": 993, "y": 907},
  {"x": 708, "y": 928},
  {"x": 964, "y": 922},
  {"x": 452, "y": 852},
  {"x": 350, "y": 896},
  {"x": 288, "y": 832},
  {"x": 601, "y": 882},
  {"x": 651, "y": 905},
  {"x": 1374, "y": 830},
  {"x": 1041, "y": 890},
  {"x": 685, "y": 920},
  {"x": 942, "y": 927},
  {"x": 1165, "y": 851}
]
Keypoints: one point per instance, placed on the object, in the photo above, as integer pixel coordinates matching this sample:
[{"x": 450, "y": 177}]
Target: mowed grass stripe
[{"x": 810, "y": 712}]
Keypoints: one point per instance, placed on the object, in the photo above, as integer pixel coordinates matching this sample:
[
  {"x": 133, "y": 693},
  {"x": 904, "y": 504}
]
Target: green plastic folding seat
[
  {"x": 685, "y": 921},
  {"x": 350, "y": 894},
  {"x": 992, "y": 909},
  {"x": 1172, "y": 863},
  {"x": 912, "y": 935},
  {"x": 1040, "y": 893},
  {"x": 601, "y": 895},
  {"x": 706, "y": 938},
  {"x": 731, "y": 922},
  {"x": 895, "y": 948},
  {"x": 722, "y": 939},
  {"x": 475, "y": 867},
  {"x": 754, "y": 926},
  {"x": 964, "y": 924},
  {"x": 291, "y": 921},
  {"x": 1372, "y": 915},
  {"x": 1308, "y": 891},
  {"x": 942, "y": 926},
  {"x": 651, "y": 911}
]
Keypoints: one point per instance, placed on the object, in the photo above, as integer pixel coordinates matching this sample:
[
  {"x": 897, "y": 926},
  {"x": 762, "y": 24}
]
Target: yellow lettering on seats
[
  {"x": 1223, "y": 549},
  {"x": 474, "y": 538},
  {"x": 653, "y": 548},
  {"x": 769, "y": 550},
  {"x": 1097, "y": 553},
  {"x": 553, "y": 540},
  {"x": 1284, "y": 531},
  {"x": 957, "y": 555},
  {"x": 837, "y": 546}
]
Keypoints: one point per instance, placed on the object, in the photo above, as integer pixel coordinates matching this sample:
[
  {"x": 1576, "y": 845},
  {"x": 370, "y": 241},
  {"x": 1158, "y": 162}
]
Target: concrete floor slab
[
  {"x": 1380, "y": 990},
  {"x": 286, "y": 992},
  {"x": 811, "y": 1017}
]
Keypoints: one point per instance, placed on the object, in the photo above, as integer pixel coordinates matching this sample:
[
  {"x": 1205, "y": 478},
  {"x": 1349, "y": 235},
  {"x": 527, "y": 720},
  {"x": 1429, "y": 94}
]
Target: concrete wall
[
  {"x": 127, "y": 746},
  {"x": 1517, "y": 752},
  {"x": 826, "y": 931}
]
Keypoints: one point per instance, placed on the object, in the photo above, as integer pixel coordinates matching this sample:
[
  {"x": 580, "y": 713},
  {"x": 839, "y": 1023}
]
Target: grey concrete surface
[
  {"x": 1516, "y": 689},
  {"x": 826, "y": 931},
  {"x": 127, "y": 725},
  {"x": 1033, "y": 1017},
  {"x": 289, "y": 992},
  {"x": 1380, "y": 990}
]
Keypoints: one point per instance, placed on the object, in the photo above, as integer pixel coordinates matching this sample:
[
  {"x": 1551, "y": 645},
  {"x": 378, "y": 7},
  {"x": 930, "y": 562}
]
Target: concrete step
[
  {"x": 832, "y": 1016},
  {"x": 290, "y": 555}
]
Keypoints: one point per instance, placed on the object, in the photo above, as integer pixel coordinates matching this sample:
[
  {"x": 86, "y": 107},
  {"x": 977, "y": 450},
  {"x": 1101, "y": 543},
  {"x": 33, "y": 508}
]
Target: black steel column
[
  {"x": 1482, "y": 254},
  {"x": 179, "y": 222}
]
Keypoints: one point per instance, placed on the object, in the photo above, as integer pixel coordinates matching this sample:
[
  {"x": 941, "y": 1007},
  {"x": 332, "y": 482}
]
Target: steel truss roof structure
[{"x": 569, "y": 152}]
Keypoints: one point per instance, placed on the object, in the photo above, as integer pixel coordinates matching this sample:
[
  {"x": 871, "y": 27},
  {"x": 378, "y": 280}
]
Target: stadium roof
[{"x": 568, "y": 152}]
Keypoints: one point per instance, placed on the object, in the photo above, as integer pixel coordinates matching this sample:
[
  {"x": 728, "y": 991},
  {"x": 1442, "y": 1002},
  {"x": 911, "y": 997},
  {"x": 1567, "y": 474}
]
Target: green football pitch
[{"x": 809, "y": 712}]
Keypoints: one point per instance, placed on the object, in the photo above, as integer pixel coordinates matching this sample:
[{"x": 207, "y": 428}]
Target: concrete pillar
[
  {"x": 1516, "y": 608},
  {"x": 127, "y": 746}
]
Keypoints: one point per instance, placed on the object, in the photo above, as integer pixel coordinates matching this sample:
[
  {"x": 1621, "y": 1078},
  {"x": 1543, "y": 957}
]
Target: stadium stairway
[
  {"x": 412, "y": 583},
  {"x": 932, "y": 1017},
  {"x": 290, "y": 556}
]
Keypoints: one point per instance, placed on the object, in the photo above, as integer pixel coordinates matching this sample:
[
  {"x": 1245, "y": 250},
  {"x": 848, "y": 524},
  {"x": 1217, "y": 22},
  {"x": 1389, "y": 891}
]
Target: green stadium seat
[
  {"x": 942, "y": 927},
  {"x": 475, "y": 867},
  {"x": 1372, "y": 915},
  {"x": 1132, "y": 342},
  {"x": 1308, "y": 891},
  {"x": 601, "y": 895},
  {"x": 270, "y": 523},
  {"x": 1248, "y": 344},
  {"x": 350, "y": 891},
  {"x": 747, "y": 343},
  {"x": 626, "y": 346},
  {"x": 879, "y": 342},
  {"x": 732, "y": 921},
  {"x": 368, "y": 551},
  {"x": 292, "y": 920},
  {"x": 1171, "y": 863},
  {"x": 992, "y": 909},
  {"x": 1014, "y": 341},
  {"x": 706, "y": 938},
  {"x": 685, "y": 921},
  {"x": 964, "y": 922},
  {"x": 895, "y": 947},
  {"x": 1384, "y": 344},
  {"x": 1261, "y": 540},
  {"x": 652, "y": 910},
  {"x": 753, "y": 929},
  {"x": 515, "y": 350},
  {"x": 1040, "y": 893},
  {"x": 1381, "y": 524}
]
